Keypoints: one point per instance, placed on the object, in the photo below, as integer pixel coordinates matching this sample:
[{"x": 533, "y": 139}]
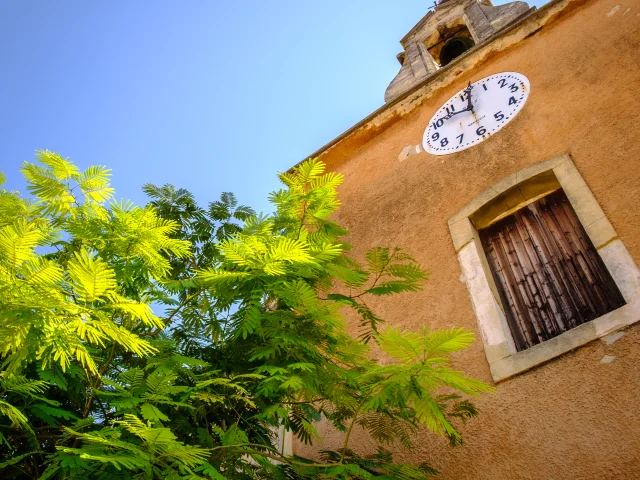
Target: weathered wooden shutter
[{"x": 548, "y": 274}]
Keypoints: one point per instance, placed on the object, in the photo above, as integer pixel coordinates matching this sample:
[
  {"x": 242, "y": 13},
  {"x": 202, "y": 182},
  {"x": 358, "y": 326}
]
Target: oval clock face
[{"x": 476, "y": 112}]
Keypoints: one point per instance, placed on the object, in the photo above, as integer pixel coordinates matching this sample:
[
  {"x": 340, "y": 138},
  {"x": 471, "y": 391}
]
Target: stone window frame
[{"x": 502, "y": 199}]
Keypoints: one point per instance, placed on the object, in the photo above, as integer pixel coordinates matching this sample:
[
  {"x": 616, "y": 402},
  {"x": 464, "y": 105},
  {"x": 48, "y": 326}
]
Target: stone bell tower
[{"x": 446, "y": 32}]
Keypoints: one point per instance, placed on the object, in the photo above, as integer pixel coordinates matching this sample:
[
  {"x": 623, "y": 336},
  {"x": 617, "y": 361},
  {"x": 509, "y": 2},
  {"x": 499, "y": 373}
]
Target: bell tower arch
[{"x": 446, "y": 32}]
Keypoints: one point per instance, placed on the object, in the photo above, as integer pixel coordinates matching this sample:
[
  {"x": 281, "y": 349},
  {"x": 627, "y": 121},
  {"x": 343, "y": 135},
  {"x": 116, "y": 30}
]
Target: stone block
[
  {"x": 608, "y": 359},
  {"x": 473, "y": 205},
  {"x": 586, "y": 206},
  {"x": 505, "y": 184},
  {"x": 612, "y": 338},
  {"x": 569, "y": 177},
  {"x": 622, "y": 268},
  {"x": 483, "y": 301},
  {"x": 497, "y": 352},
  {"x": 539, "y": 186},
  {"x": 461, "y": 233},
  {"x": 477, "y": 22},
  {"x": 514, "y": 198},
  {"x": 488, "y": 213},
  {"x": 617, "y": 319},
  {"x": 600, "y": 232},
  {"x": 533, "y": 170}
]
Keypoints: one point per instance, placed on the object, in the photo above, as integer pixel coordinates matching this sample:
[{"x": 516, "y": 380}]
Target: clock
[{"x": 476, "y": 113}]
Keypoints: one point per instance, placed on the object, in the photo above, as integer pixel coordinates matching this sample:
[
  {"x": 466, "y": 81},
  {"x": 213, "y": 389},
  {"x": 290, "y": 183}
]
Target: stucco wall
[{"x": 574, "y": 417}]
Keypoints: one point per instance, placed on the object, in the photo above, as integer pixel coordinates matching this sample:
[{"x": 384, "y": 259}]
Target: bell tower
[{"x": 446, "y": 32}]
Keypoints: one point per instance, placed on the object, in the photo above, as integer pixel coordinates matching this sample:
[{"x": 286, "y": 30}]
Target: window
[
  {"x": 545, "y": 269},
  {"x": 549, "y": 276}
]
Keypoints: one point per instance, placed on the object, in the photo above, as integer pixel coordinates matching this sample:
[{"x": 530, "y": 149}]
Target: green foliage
[
  {"x": 93, "y": 384},
  {"x": 135, "y": 446}
]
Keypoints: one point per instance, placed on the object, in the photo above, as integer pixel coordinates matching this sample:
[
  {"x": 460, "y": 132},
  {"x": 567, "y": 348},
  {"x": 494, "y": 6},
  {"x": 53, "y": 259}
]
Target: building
[{"x": 528, "y": 218}]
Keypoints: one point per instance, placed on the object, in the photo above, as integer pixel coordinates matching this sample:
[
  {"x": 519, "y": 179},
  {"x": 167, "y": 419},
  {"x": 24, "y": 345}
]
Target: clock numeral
[{"x": 514, "y": 94}]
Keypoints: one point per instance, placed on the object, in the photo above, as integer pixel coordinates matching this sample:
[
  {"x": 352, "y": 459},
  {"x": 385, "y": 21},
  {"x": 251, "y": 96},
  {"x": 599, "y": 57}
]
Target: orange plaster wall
[{"x": 574, "y": 417}]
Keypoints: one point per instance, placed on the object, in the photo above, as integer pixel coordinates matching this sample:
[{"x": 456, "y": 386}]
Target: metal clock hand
[
  {"x": 468, "y": 92},
  {"x": 469, "y": 104},
  {"x": 449, "y": 115}
]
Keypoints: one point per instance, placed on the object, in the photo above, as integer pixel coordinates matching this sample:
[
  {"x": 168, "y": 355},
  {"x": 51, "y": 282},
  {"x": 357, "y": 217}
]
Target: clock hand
[
  {"x": 469, "y": 108},
  {"x": 468, "y": 92},
  {"x": 449, "y": 115}
]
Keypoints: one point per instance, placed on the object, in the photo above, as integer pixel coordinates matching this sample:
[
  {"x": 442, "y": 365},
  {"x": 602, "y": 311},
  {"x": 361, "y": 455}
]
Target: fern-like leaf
[{"x": 91, "y": 276}]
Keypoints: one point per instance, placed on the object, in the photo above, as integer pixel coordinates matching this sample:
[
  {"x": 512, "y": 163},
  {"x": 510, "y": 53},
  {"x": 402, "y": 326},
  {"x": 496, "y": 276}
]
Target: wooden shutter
[{"x": 549, "y": 276}]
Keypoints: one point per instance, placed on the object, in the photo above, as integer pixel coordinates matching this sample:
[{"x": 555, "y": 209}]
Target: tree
[{"x": 94, "y": 384}]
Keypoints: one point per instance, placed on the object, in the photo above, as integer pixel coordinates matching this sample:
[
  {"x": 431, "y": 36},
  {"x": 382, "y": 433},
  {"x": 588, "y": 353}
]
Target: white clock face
[{"x": 460, "y": 124}]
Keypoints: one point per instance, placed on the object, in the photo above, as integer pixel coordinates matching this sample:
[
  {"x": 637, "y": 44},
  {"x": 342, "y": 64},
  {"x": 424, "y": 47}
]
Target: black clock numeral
[
  {"x": 485, "y": 87},
  {"x": 444, "y": 142},
  {"x": 435, "y": 136},
  {"x": 437, "y": 123},
  {"x": 460, "y": 137},
  {"x": 498, "y": 116},
  {"x": 481, "y": 131},
  {"x": 513, "y": 87},
  {"x": 453, "y": 109},
  {"x": 502, "y": 82},
  {"x": 512, "y": 101}
]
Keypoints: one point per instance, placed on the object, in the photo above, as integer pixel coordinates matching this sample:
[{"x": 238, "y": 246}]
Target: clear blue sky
[{"x": 209, "y": 95}]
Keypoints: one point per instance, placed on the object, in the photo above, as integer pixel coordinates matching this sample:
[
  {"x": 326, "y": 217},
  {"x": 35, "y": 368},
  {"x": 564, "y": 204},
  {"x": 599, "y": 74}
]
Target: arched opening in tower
[{"x": 454, "y": 47}]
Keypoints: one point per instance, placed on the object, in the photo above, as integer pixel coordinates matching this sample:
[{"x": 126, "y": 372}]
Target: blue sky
[{"x": 211, "y": 96}]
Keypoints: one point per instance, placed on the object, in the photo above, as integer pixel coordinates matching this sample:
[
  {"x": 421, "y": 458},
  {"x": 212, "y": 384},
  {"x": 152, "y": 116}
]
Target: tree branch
[{"x": 346, "y": 438}]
